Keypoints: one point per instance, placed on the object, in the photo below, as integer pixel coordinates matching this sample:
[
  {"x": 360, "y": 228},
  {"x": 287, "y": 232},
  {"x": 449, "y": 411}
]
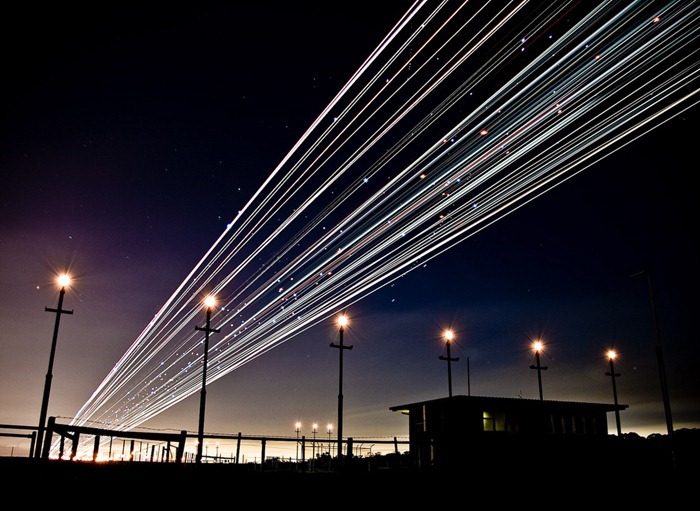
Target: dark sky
[{"x": 131, "y": 135}]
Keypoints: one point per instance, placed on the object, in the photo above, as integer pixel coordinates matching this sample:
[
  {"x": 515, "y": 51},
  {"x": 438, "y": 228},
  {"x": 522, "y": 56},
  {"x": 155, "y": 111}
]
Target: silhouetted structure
[{"x": 446, "y": 432}]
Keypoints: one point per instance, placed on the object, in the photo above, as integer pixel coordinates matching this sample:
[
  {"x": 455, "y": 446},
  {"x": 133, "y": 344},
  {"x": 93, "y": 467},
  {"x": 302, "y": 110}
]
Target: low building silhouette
[{"x": 488, "y": 431}]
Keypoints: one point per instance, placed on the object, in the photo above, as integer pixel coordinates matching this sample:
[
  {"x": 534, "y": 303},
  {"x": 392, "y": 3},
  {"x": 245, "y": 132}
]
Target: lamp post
[
  {"x": 448, "y": 335},
  {"x": 330, "y": 453},
  {"x": 659, "y": 355},
  {"x": 538, "y": 346},
  {"x": 209, "y": 302},
  {"x": 342, "y": 323},
  {"x": 63, "y": 282},
  {"x": 330, "y": 430},
  {"x": 297, "y": 428},
  {"x": 314, "y": 428},
  {"x": 611, "y": 356}
]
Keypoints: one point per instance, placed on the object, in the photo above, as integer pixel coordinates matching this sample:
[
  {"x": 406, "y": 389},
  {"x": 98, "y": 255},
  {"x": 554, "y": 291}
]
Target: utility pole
[
  {"x": 659, "y": 354},
  {"x": 209, "y": 302},
  {"x": 342, "y": 323}
]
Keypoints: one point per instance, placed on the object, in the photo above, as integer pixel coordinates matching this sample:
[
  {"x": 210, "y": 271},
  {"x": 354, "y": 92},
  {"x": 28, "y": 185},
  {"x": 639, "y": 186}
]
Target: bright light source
[
  {"x": 342, "y": 321},
  {"x": 63, "y": 280},
  {"x": 210, "y": 301},
  {"x": 449, "y": 335},
  {"x": 612, "y": 354},
  {"x": 537, "y": 345}
]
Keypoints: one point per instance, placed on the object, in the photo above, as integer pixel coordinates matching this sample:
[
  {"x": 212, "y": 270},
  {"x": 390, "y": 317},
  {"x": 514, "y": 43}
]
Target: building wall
[{"x": 446, "y": 432}]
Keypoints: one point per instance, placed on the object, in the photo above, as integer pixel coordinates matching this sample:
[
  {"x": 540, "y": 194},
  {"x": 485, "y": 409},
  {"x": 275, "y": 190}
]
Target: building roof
[{"x": 513, "y": 403}]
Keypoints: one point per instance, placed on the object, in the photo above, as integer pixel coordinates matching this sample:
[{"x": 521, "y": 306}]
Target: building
[{"x": 444, "y": 433}]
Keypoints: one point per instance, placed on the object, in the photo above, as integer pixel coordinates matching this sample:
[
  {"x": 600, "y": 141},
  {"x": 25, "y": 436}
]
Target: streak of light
[{"x": 461, "y": 115}]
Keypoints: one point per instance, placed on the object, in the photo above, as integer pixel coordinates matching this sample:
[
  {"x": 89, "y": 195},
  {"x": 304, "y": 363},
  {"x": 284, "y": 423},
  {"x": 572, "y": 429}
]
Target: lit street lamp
[
  {"x": 538, "y": 346},
  {"x": 209, "y": 302},
  {"x": 330, "y": 453},
  {"x": 449, "y": 335},
  {"x": 63, "y": 282},
  {"x": 330, "y": 430},
  {"x": 342, "y": 323},
  {"x": 611, "y": 356},
  {"x": 297, "y": 428},
  {"x": 314, "y": 428}
]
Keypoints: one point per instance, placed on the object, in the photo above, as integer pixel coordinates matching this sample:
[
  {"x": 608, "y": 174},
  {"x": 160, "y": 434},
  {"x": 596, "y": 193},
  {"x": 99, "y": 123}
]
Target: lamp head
[{"x": 63, "y": 280}]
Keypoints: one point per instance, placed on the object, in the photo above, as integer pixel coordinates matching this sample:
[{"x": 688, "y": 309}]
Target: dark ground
[{"x": 641, "y": 474}]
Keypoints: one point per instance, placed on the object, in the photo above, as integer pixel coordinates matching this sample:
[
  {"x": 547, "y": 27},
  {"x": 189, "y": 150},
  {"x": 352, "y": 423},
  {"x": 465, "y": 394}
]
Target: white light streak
[{"x": 440, "y": 133}]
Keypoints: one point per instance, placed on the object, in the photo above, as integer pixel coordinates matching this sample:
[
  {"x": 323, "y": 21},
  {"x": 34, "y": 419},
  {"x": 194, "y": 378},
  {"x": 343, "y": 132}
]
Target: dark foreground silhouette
[{"x": 629, "y": 470}]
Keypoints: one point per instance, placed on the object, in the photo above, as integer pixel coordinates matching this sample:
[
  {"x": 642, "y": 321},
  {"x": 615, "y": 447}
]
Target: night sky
[{"x": 130, "y": 136}]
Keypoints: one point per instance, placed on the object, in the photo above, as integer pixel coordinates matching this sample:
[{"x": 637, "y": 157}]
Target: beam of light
[{"x": 461, "y": 115}]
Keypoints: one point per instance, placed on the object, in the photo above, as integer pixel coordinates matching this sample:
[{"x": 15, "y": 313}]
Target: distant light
[
  {"x": 297, "y": 427},
  {"x": 448, "y": 335},
  {"x": 537, "y": 345},
  {"x": 315, "y": 427},
  {"x": 612, "y": 354},
  {"x": 210, "y": 301},
  {"x": 63, "y": 280},
  {"x": 342, "y": 321},
  {"x": 330, "y": 428}
]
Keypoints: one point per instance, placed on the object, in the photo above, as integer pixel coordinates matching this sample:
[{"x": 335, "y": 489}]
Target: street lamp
[
  {"x": 314, "y": 428},
  {"x": 659, "y": 355},
  {"x": 342, "y": 323},
  {"x": 538, "y": 346},
  {"x": 330, "y": 430},
  {"x": 448, "y": 336},
  {"x": 297, "y": 428},
  {"x": 611, "y": 356},
  {"x": 209, "y": 302},
  {"x": 63, "y": 282},
  {"x": 330, "y": 453}
]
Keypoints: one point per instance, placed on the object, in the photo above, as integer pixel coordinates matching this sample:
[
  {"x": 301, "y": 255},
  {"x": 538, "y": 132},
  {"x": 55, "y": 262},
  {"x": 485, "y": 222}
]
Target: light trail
[{"x": 461, "y": 115}]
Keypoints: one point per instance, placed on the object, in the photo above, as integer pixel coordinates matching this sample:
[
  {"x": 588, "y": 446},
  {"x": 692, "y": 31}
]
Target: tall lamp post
[
  {"x": 448, "y": 335},
  {"x": 538, "y": 346},
  {"x": 342, "y": 323},
  {"x": 659, "y": 354},
  {"x": 63, "y": 282},
  {"x": 209, "y": 302},
  {"x": 611, "y": 356},
  {"x": 297, "y": 428}
]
